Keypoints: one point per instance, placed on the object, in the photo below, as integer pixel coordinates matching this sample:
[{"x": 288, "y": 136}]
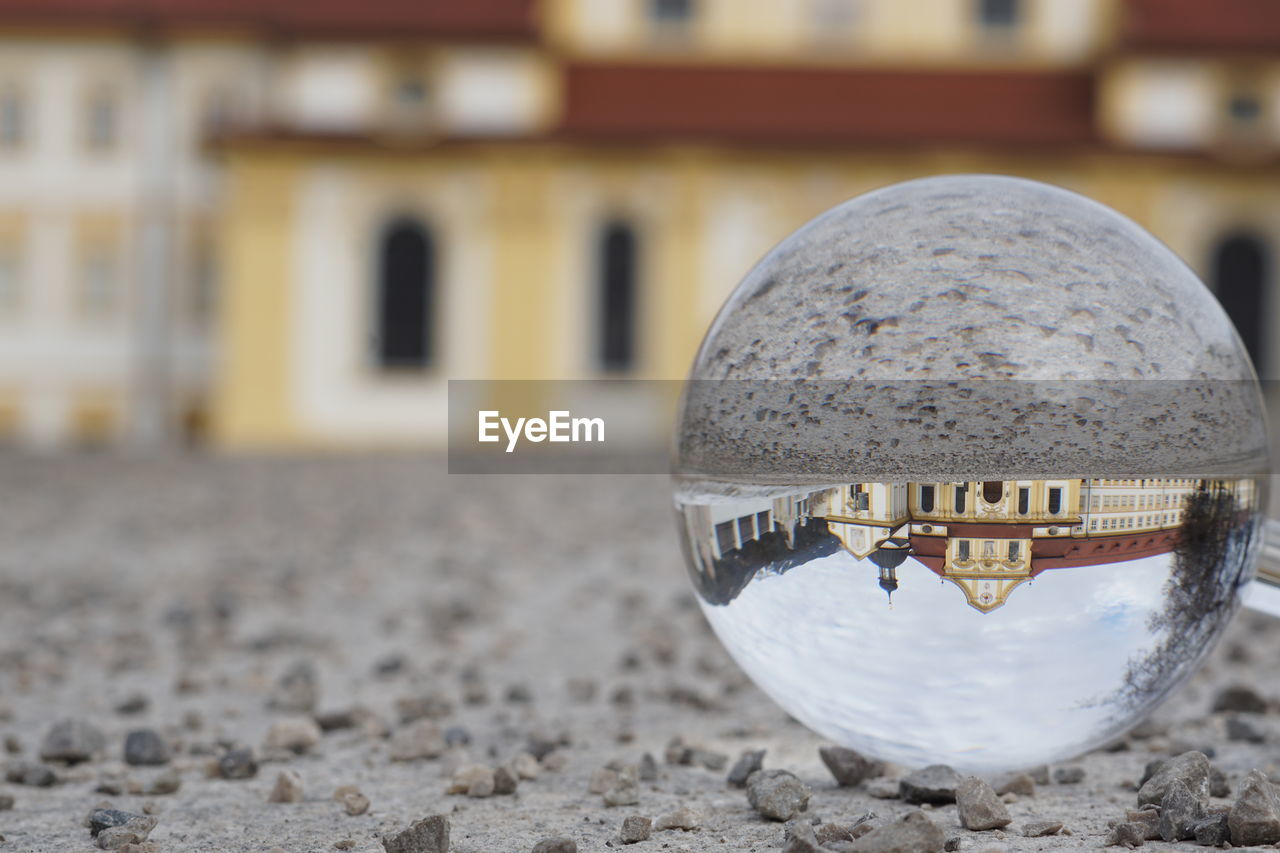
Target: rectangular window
[
  {"x": 745, "y": 531},
  {"x": 961, "y": 493},
  {"x": 998, "y": 15},
  {"x": 101, "y": 121},
  {"x": 926, "y": 498},
  {"x": 1055, "y": 501},
  {"x": 724, "y": 537},
  {"x": 962, "y": 550},
  {"x": 762, "y": 523},
  {"x": 1014, "y": 550},
  {"x": 12, "y": 117},
  {"x": 1024, "y": 501},
  {"x": 671, "y": 11}
]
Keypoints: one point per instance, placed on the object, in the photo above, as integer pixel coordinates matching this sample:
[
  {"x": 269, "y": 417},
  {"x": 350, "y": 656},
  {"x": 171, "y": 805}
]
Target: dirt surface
[{"x": 529, "y": 611}]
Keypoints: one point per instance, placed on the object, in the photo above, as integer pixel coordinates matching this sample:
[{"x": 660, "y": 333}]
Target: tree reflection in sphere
[{"x": 968, "y": 471}]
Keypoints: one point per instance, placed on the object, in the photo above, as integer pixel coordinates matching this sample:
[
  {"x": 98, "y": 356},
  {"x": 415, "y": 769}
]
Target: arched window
[
  {"x": 1240, "y": 279},
  {"x": 617, "y": 249},
  {"x": 406, "y": 296}
]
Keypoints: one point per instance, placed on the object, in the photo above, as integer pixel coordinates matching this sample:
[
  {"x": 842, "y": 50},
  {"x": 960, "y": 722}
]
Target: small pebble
[
  {"x": 1240, "y": 698},
  {"x": 849, "y": 767},
  {"x": 418, "y": 740},
  {"x": 556, "y": 845},
  {"x": 292, "y": 734},
  {"x": 134, "y": 703},
  {"x": 474, "y": 780},
  {"x": 777, "y": 794},
  {"x": 297, "y": 690},
  {"x": 167, "y": 782},
  {"x": 648, "y": 769},
  {"x": 625, "y": 790},
  {"x": 1068, "y": 775},
  {"x": 601, "y": 780},
  {"x": 429, "y": 835},
  {"x": 351, "y": 799},
  {"x": 72, "y": 741},
  {"x": 1246, "y": 729},
  {"x": 238, "y": 764},
  {"x": 525, "y": 766},
  {"x": 288, "y": 788},
  {"x": 505, "y": 781},
  {"x": 934, "y": 784},
  {"x": 978, "y": 806},
  {"x": 635, "y": 828},
  {"x": 1040, "y": 828},
  {"x": 145, "y": 747},
  {"x": 683, "y": 818}
]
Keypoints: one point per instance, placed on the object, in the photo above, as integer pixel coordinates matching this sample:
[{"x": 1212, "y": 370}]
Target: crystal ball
[{"x": 969, "y": 471}]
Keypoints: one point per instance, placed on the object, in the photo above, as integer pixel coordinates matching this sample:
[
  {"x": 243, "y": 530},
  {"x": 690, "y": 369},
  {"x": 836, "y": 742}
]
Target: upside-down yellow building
[{"x": 360, "y": 201}]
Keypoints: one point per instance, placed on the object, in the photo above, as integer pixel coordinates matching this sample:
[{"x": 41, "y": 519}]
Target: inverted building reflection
[{"x": 987, "y": 538}]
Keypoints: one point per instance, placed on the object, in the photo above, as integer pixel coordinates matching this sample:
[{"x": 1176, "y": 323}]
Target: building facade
[{"x": 287, "y": 224}]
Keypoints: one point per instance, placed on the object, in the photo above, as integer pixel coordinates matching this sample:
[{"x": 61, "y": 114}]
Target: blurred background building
[{"x": 285, "y": 223}]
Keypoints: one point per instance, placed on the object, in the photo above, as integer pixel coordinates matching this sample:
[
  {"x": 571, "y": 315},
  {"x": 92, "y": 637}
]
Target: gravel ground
[{"x": 197, "y": 596}]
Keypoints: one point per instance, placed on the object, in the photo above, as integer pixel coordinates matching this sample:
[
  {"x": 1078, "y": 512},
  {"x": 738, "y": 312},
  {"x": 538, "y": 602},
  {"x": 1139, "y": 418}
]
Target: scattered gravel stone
[
  {"x": 457, "y": 736},
  {"x": 1245, "y": 728},
  {"x": 72, "y": 741},
  {"x": 114, "y": 828},
  {"x": 430, "y": 707},
  {"x": 474, "y": 780},
  {"x": 556, "y": 845},
  {"x": 1014, "y": 783},
  {"x": 1041, "y": 828},
  {"x": 1254, "y": 820},
  {"x": 802, "y": 839},
  {"x": 848, "y": 766},
  {"x": 505, "y": 781},
  {"x": 1219, "y": 786},
  {"x": 134, "y": 703},
  {"x": 1180, "y": 810},
  {"x": 777, "y": 794},
  {"x": 749, "y": 762},
  {"x": 540, "y": 746},
  {"x": 625, "y": 790},
  {"x": 1212, "y": 830},
  {"x": 238, "y": 764},
  {"x": 351, "y": 800},
  {"x": 1240, "y": 698},
  {"x": 297, "y": 690},
  {"x": 418, "y": 740},
  {"x": 601, "y": 780},
  {"x": 1126, "y": 835},
  {"x": 32, "y": 774},
  {"x": 145, "y": 747},
  {"x": 635, "y": 828},
  {"x": 526, "y": 766},
  {"x": 6, "y": 802},
  {"x": 168, "y": 782},
  {"x": 683, "y": 818},
  {"x": 288, "y": 788},
  {"x": 979, "y": 807},
  {"x": 1039, "y": 775},
  {"x": 648, "y": 768},
  {"x": 429, "y": 835},
  {"x": 915, "y": 833},
  {"x": 952, "y": 844},
  {"x": 884, "y": 789},
  {"x": 934, "y": 784},
  {"x": 1072, "y": 775},
  {"x": 1148, "y": 819},
  {"x": 1190, "y": 768},
  {"x": 104, "y": 818},
  {"x": 293, "y": 734}
]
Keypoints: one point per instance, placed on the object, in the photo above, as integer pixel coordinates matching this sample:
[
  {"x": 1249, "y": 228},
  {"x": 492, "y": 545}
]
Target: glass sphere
[{"x": 968, "y": 472}]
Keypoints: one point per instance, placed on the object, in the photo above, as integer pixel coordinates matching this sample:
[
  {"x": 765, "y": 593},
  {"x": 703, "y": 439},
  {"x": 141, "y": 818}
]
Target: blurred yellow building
[{"x": 287, "y": 223}]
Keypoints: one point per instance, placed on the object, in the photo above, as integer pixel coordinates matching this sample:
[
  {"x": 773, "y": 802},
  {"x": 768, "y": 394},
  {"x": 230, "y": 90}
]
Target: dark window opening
[
  {"x": 998, "y": 14},
  {"x": 1024, "y": 501},
  {"x": 745, "y": 533},
  {"x": 962, "y": 549},
  {"x": 1055, "y": 501},
  {"x": 992, "y": 491},
  {"x": 724, "y": 536},
  {"x": 926, "y": 498},
  {"x": 406, "y": 296},
  {"x": 1240, "y": 278},
  {"x": 617, "y": 346},
  {"x": 1244, "y": 108},
  {"x": 671, "y": 11},
  {"x": 1014, "y": 551},
  {"x": 762, "y": 523},
  {"x": 961, "y": 493}
]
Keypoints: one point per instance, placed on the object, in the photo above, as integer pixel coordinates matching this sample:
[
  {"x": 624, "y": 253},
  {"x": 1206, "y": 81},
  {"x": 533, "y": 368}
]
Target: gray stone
[
  {"x": 1126, "y": 835},
  {"x": 683, "y": 818},
  {"x": 777, "y": 794},
  {"x": 72, "y": 741},
  {"x": 293, "y": 734},
  {"x": 1068, "y": 775},
  {"x": 457, "y": 736},
  {"x": 848, "y": 766},
  {"x": 133, "y": 831},
  {"x": 297, "y": 690},
  {"x": 1041, "y": 828},
  {"x": 635, "y": 828},
  {"x": 351, "y": 799},
  {"x": 801, "y": 839},
  {"x": 1212, "y": 830},
  {"x": 602, "y": 779},
  {"x": 288, "y": 788},
  {"x": 238, "y": 764},
  {"x": 979, "y": 807},
  {"x": 1219, "y": 786},
  {"x": 1255, "y": 817},
  {"x": 934, "y": 784},
  {"x": 6, "y": 802},
  {"x": 648, "y": 768},
  {"x": 625, "y": 790},
  {"x": 1180, "y": 811},
  {"x": 1148, "y": 819},
  {"x": 708, "y": 758},
  {"x": 145, "y": 747},
  {"x": 416, "y": 741},
  {"x": 168, "y": 782},
  {"x": 1189, "y": 768},
  {"x": 474, "y": 780},
  {"x": 429, "y": 835},
  {"x": 100, "y": 819},
  {"x": 1014, "y": 783},
  {"x": 884, "y": 789},
  {"x": 30, "y": 773},
  {"x": 915, "y": 833},
  {"x": 556, "y": 845},
  {"x": 1245, "y": 728},
  {"x": 1152, "y": 768},
  {"x": 749, "y": 762},
  {"x": 1240, "y": 698},
  {"x": 505, "y": 780}
]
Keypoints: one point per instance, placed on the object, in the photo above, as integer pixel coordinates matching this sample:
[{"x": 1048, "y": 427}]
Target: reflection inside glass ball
[{"x": 988, "y": 625}]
